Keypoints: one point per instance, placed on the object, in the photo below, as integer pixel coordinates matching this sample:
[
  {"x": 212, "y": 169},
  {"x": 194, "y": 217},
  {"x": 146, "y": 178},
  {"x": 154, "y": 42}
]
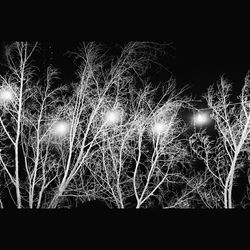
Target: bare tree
[
  {"x": 29, "y": 111},
  {"x": 223, "y": 155},
  {"x": 97, "y": 105},
  {"x": 105, "y": 140},
  {"x": 12, "y": 91},
  {"x": 160, "y": 149}
]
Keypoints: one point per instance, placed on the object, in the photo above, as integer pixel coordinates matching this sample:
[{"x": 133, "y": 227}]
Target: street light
[
  {"x": 201, "y": 118},
  {"x": 6, "y": 96},
  {"x": 61, "y": 128},
  {"x": 112, "y": 117},
  {"x": 159, "y": 128}
]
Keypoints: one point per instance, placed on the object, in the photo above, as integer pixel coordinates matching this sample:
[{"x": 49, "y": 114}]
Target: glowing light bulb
[
  {"x": 61, "y": 128},
  {"x": 5, "y": 96},
  {"x": 201, "y": 119},
  {"x": 112, "y": 117},
  {"x": 159, "y": 128}
]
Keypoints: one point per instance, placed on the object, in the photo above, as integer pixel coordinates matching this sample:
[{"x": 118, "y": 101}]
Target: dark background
[
  {"x": 198, "y": 58},
  {"x": 196, "y": 62}
]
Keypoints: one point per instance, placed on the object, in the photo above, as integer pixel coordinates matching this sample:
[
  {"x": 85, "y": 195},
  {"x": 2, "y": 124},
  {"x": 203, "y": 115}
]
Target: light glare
[
  {"x": 201, "y": 119},
  {"x": 5, "y": 96},
  {"x": 159, "y": 128},
  {"x": 112, "y": 117},
  {"x": 61, "y": 128}
]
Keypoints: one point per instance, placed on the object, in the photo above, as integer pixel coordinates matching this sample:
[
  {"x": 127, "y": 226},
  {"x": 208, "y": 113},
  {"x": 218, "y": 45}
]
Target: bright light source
[
  {"x": 159, "y": 128},
  {"x": 5, "y": 96},
  {"x": 112, "y": 117},
  {"x": 201, "y": 118},
  {"x": 61, "y": 128}
]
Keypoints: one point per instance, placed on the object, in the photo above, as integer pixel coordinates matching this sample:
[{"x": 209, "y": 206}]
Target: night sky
[
  {"x": 198, "y": 63},
  {"x": 202, "y": 63},
  {"x": 194, "y": 62}
]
